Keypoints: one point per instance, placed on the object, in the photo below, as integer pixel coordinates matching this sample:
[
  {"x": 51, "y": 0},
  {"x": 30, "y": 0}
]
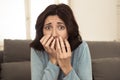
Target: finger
[
  {"x": 58, "y": 46},
  {"x": 62, "y": 45},
  {"x": 49, "y": 42},
  {"x": 42, "y": 39},
  {"x": 67, "y": 46},
  {"x": 53, "y": 44},
  {"x": 45, "y": 39}
]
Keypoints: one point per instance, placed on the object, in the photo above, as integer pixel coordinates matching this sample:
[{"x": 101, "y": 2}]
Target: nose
[{"x": 54, "y": 33}]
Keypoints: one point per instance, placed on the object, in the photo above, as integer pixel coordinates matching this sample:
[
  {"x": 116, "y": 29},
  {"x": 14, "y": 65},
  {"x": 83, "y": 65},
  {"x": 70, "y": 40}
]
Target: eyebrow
[
  {"x": 57, "y": 23},
  {"x": 48, "y": 24},
  {"x": 60, "y": 22}
]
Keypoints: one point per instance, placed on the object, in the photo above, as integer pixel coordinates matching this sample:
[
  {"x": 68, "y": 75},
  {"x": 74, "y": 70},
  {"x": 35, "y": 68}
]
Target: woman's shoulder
[
  {"x": 83, "y": 45},
  {"x": 37, "y": 52}
]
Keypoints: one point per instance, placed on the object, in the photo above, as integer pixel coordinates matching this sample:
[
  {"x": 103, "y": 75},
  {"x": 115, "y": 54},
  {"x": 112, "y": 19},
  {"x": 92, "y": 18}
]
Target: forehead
[{"x": 53, "y": 18}]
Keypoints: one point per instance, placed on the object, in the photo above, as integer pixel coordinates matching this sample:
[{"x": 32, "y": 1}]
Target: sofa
[{"x": 15, "y": 60}]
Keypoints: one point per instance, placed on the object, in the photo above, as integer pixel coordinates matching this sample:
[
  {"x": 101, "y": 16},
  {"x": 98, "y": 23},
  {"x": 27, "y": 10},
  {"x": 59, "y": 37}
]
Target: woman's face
[{"x": 55, "y": 26}]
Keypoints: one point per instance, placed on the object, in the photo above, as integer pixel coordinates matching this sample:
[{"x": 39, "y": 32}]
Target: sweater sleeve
[
  {"x": 38, "y": 69},
  {"x": 84, "y": 69}
]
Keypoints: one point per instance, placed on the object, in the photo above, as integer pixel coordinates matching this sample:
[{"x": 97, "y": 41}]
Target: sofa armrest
[
  {"x": 1, "y": 56},
  {"x": 1, "y": 61}
]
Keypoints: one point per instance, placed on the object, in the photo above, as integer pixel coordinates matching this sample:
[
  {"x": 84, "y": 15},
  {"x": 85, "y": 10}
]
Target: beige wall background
[
  {"x": 98, "y": 19},
  {"x": 118, "y": 13}
]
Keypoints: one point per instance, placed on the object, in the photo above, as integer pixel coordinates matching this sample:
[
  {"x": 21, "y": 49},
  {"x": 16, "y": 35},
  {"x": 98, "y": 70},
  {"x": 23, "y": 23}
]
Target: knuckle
[
  {"x": 46, "y": 46},
  {"x": 52, "y": 48}
]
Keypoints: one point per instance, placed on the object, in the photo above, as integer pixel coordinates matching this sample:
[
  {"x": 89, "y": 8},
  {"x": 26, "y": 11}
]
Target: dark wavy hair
[{"x": 65, "y": 13}]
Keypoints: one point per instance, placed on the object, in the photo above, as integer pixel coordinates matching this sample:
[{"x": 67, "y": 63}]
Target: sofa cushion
[
  {"x": 16, "y": 71},
  {"x": 16, "y": 50},
  {"x": 106, "y": 68}
]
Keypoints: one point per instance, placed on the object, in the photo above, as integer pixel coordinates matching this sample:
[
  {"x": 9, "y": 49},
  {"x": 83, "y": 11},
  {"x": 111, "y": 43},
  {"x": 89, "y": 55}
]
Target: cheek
[
  {"x": 64, "y": 35},
  {"x": 46, "y": 32}
]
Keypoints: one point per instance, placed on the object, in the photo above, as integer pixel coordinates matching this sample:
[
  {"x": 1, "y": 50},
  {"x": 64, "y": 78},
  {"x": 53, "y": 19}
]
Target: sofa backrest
[
  {"x": 16, "y": 50},
  {"x": 19, "y": 50},
  {"x": 104, "y": 49}
]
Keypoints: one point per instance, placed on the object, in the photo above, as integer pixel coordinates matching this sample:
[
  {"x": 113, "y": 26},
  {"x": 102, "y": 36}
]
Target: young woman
[{"x": 58, "y": 51}]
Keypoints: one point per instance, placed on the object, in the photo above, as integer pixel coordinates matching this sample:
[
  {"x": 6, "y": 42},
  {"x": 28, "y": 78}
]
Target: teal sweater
[{"x": 43, "y": 69}]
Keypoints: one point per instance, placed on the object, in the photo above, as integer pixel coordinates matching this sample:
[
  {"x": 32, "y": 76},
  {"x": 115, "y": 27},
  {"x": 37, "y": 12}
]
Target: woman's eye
[
  {"x": 61, "y": 27},
  {"x": 47, "y": 27}
]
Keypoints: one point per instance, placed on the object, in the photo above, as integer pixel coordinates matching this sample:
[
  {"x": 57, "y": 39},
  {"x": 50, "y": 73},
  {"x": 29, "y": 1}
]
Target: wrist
[
  {"x": 67, "y": 71},
  {"x": 53, "y": 61}
]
